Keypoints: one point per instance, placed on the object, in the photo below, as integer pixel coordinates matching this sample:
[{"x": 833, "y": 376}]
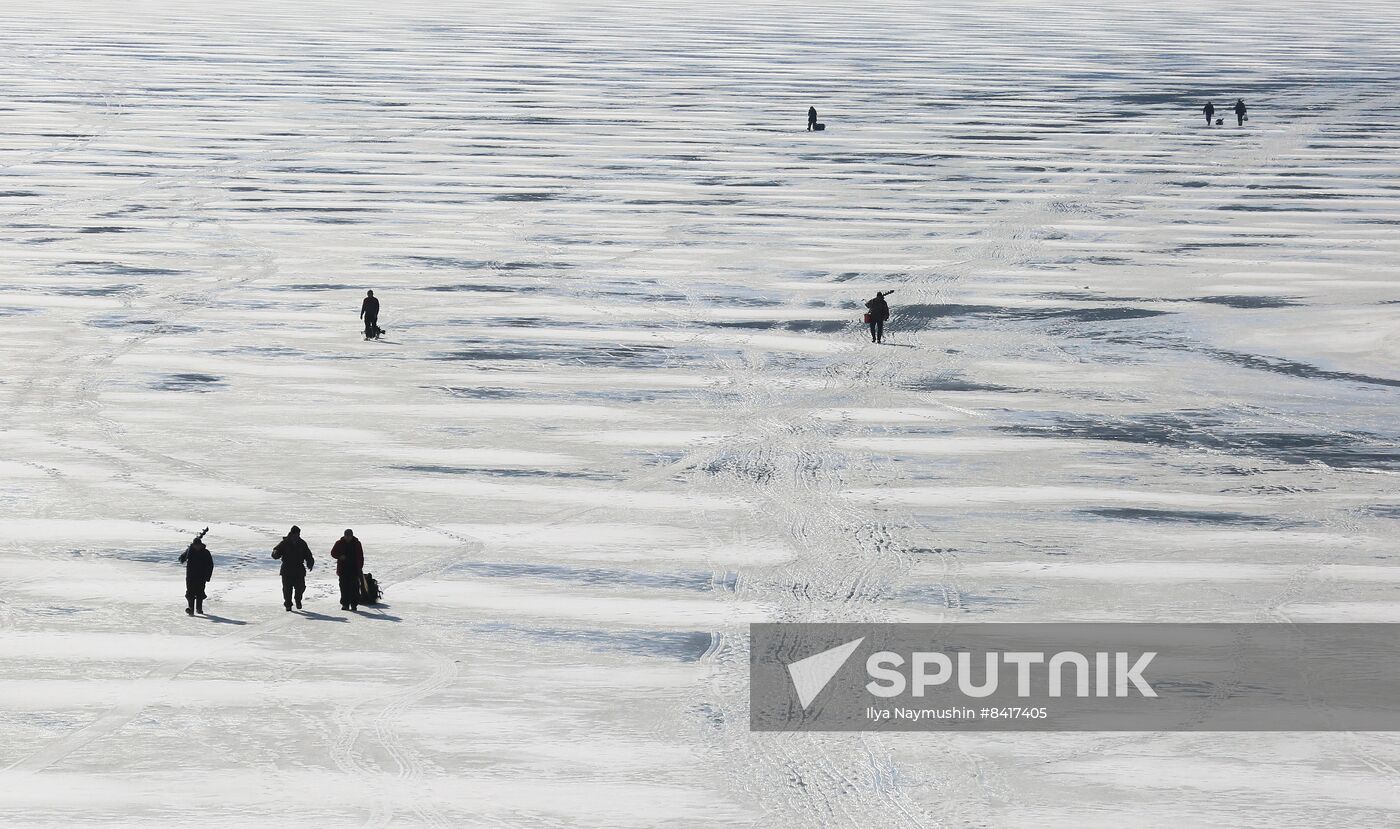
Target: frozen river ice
[{"x": 1138, "y": 370}]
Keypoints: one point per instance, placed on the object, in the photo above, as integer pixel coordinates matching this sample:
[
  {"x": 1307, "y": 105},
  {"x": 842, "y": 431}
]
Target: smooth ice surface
[{"x": 1138, "y": 370}]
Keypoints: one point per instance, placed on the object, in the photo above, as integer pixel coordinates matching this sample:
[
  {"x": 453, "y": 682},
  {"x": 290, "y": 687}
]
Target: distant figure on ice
[
  {"x": 1209, "y": 110},
  {"x": 296, "y": 560},
  {"x": 811, "y": 118},
  {"x": 199, "y": 569},
  {"x": 369, "y": 312},
  {"x": 1241, "y": 112},
  {"x": 349, "y": 566},
  {"x": 877, "y": 312}
]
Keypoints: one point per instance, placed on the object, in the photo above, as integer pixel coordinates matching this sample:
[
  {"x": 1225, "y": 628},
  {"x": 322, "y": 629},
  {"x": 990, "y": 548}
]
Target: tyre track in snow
[
  {"x": 84, "y": 382},
  {"x": 1004, "y": 247},
  {"x": 1252, "y": 160},
  {"x": 89, "y": 374},
  {"x": 800, "y": 455},
  {"x": 93, "y": 124}
]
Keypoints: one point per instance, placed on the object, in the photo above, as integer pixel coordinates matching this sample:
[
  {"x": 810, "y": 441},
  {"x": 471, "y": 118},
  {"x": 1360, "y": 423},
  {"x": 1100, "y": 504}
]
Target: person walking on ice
[
  {"x": 296, "y": 560},
  {"x": 199, "y": 569},
  {"x": 369, "y": 312},
  {"x": 349, "y": 558},
  {"x": 811, "y": 118},
  {"x": 1209, "y": 110},
  {"x": 877, "y": 311},
  {"x": 1241, "y": 112}
]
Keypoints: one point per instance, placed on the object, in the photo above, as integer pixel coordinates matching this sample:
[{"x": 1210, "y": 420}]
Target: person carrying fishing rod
[
  {"x": 877, "y": 312},
  {"x": 199, "y": 569}
]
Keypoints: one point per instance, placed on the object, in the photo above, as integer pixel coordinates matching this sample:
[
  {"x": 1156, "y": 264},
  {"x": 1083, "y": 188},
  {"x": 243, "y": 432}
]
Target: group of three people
[{"x": 296, "y": 558}]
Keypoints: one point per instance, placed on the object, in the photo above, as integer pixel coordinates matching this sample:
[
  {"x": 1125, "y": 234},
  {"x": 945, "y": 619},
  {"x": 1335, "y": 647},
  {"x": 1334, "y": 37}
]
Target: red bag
[{"x": 867, "y": 319}]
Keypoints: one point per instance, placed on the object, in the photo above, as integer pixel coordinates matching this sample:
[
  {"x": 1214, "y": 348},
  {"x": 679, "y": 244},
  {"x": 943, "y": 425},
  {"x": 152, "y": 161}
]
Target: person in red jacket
[{"x": 349, "y": 565}]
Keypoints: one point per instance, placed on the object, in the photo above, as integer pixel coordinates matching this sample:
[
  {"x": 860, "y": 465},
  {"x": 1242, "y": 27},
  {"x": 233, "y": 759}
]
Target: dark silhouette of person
[
  {"x": 369, "y": 312},
  {"x": 878, "y": 311},
  {"x": 349, "y": 558},
  {"x": 199, "y": 569},
  {"x": 811, "y": 118},
  {"x": 296, "y": 560},
  {"x": 1241, "y": 111},
  {"x": 1209, "y": 110}
]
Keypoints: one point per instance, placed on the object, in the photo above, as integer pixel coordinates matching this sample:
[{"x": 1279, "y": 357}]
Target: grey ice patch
[
  {"x": 312, "y": 286},
  {"x": 189, "y": 382},
  {"x": 1194, "y": 430},
  {"x": 636, "y": 356},
  {"x": 954, "y": 383},
  {"x": 96, "y": 290},
  {"x": 525, "y": 196},
  {"x": 1074, "y": 677},
  {"x": 117, "y": 268},
  {"x": 1241, "y": 302},
  {"x": 151, "y": 326},
  {"x": 800, "y": 326},
  {"x": 1170, "y": 516},
  {"x": 1248, "y": 302},
  {"x": 681, "y": 646},
  {"x": 263, "y": 351},
  {"x": 482, "y": 264},
  {"x": 929, "y": 313},
  {"x": 486, "y": 289},
  {"x": 481, "y": 393},
  {"x": 1294, "y": 368},
  {"x": 591, "y": 576},
  {"x": 504, "y": 472}
]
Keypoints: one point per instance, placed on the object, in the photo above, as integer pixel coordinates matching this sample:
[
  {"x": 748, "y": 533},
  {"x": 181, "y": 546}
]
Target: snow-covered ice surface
[{"x": 1138, "y": 370}]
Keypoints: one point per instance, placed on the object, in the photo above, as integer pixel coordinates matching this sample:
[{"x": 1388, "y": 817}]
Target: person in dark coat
[
  {"x": 811, "y": 118},
  {"x": 349, "y": 558},
  {"x": 878, "y": 311},
  {"x": 1241, "y": 111},
  {"x": 1209, "y": 110},
  {"x": 369, "y": 312},
  {"x": 296, "y": 560},
  {"x": 199, "y": 569}
]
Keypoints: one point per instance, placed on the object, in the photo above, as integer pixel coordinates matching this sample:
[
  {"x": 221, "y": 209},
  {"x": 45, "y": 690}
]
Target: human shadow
[
  {"x": 377, "y": 612},
  {"x": 220, "y": 620},
  {"x": 320, "y": 617}
]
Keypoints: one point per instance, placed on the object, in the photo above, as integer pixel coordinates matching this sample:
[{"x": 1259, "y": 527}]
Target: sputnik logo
[{"x": 810, "y": 675}]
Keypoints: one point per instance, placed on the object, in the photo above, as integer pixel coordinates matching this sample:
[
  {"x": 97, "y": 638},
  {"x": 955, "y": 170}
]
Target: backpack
[{"x": 369, "y": 590}]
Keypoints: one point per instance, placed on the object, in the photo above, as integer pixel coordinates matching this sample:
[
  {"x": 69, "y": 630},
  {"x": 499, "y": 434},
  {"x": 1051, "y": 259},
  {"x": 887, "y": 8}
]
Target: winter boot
[{"x": 199, "y": 606}]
